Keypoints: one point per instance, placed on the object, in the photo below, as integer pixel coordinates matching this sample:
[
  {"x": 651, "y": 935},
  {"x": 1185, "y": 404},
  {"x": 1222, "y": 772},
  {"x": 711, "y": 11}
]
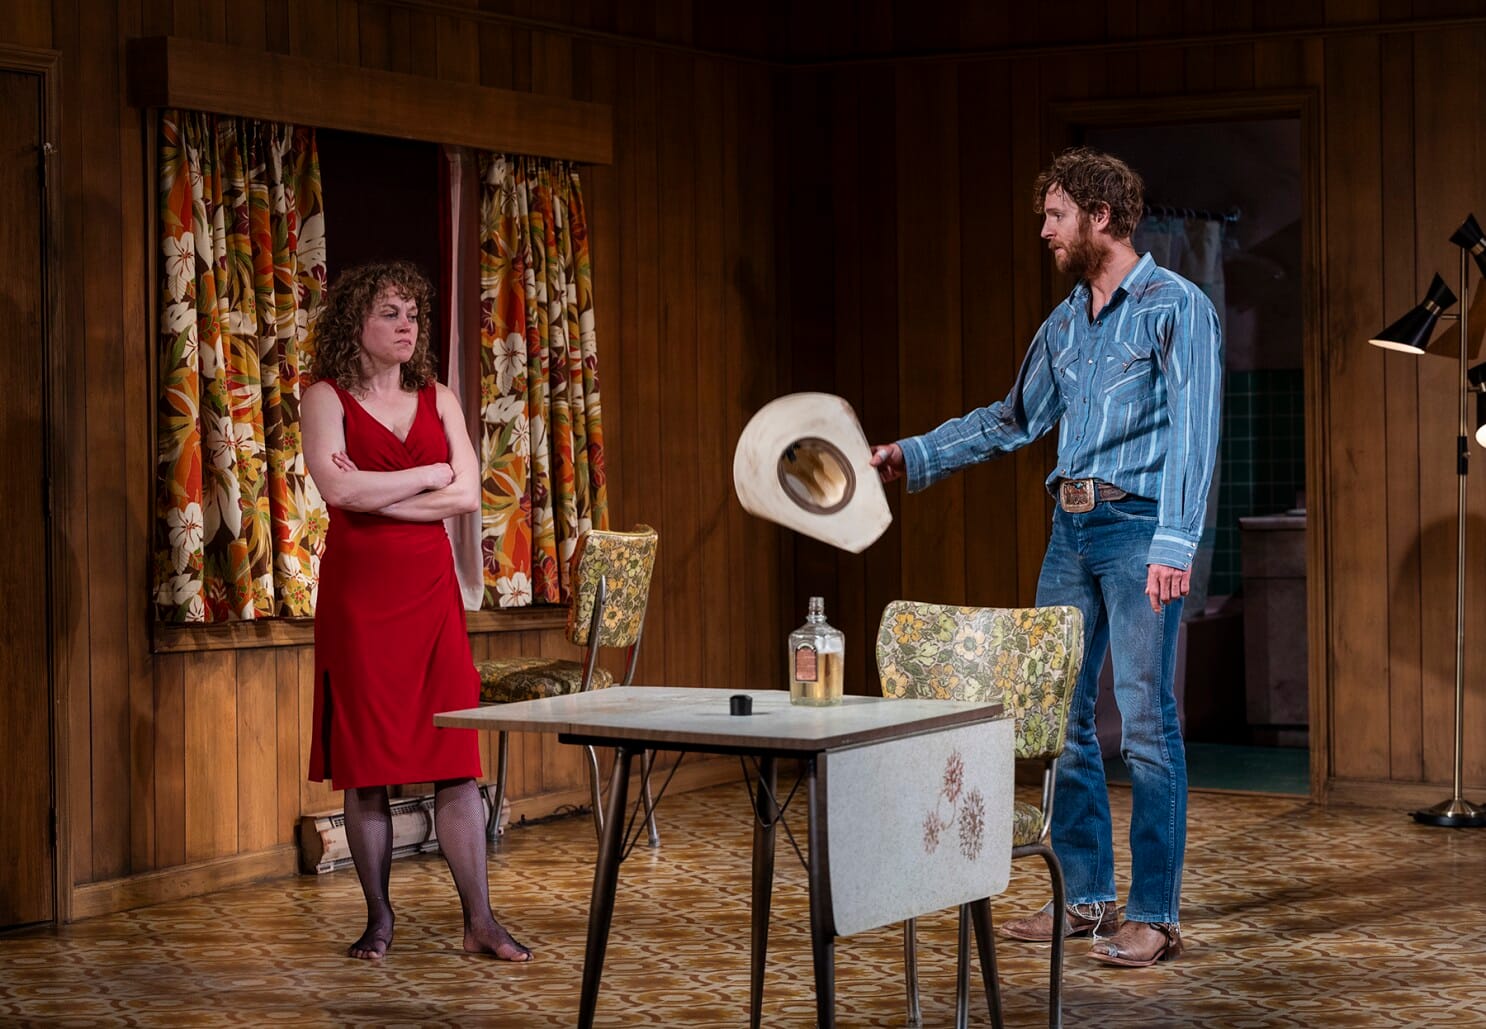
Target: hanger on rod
[{"x": 1167, "y": 211}]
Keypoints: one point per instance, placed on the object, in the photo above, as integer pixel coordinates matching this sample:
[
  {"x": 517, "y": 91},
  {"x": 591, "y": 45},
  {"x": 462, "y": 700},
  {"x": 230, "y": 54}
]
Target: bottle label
[{"x": 805, "y": 664}]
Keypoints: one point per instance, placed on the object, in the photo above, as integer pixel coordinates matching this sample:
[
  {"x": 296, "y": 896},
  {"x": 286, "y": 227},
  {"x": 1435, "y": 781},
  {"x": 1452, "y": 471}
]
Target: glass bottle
[{"x": 817, "y": 657}]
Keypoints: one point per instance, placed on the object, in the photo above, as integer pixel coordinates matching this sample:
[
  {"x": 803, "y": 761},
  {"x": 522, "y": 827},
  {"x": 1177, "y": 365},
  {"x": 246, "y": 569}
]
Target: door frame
[
  {"x": 59, "y": 371},
  {"x": 1064, "y": 120}
]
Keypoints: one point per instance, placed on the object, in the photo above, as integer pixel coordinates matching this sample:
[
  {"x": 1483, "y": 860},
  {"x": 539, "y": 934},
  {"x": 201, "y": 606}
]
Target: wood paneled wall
[
  {"x": 911, "y": 178},
  {"x": 807, "y": 213},
  {"x": 178, "y": 763}
]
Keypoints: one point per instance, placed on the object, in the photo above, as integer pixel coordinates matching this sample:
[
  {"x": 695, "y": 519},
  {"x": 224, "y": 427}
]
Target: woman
[{"x": 388, "y": 449}]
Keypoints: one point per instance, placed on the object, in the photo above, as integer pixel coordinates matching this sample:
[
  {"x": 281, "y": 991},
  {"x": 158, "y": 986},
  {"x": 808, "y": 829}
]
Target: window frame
[{"x": 168, "y": 71}]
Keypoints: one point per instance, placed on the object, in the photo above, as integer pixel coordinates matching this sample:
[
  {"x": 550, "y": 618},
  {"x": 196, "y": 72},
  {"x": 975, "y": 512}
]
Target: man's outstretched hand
[
  {"x": 888, "y": 460},
  {"x": 1164, "y": 584}
]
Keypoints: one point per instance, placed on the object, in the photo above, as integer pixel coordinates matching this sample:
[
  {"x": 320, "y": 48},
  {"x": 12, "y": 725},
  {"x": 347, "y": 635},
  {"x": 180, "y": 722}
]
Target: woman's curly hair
[
  {"x": 349, "y": 301},
  {"x": 1089, "y": 178}
]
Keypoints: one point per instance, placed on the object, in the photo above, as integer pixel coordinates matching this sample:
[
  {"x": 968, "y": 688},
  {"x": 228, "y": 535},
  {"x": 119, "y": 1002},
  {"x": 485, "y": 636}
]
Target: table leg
[
  {"x": 605, "y": 878},
  {"x": 822, "y": 932},
  {"x": 766, "y": 814},
  {"x": 985, "y": 938}
]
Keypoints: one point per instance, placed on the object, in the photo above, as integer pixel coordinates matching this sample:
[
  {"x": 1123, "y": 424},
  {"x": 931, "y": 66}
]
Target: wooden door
[{"x": 27, "y": 846}]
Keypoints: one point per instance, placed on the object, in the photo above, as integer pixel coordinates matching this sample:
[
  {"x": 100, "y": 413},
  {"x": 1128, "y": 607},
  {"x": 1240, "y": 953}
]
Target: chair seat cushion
[
  {"x": 506, "y": 680},
  {"x": 1026, "y": 824}
]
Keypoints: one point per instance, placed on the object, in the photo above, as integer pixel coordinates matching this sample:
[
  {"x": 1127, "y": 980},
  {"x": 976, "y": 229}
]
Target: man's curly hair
[
  {"x": 1090, "y": 177},
  {"x": 349, "y": 301}
]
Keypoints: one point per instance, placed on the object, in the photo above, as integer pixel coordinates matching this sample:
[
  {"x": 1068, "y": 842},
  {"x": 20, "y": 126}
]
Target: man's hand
[
  {"x": 1164, "y": 584},
  {"x": 888, "y": 460}
]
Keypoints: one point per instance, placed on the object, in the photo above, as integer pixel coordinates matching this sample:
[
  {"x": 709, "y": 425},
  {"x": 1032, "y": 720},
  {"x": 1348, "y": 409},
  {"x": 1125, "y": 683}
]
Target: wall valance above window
[{"x": 191, "y": 74}]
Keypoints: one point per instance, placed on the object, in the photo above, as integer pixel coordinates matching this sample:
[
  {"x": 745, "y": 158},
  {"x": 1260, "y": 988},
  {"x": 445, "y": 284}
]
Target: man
[{"x": 1129, "y": 368}]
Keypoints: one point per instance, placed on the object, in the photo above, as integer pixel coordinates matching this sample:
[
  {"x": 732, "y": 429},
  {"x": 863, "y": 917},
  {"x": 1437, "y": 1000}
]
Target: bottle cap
[{"x": 740, "y": 704}]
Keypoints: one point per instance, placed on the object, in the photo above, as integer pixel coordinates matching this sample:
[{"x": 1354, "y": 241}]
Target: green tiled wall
[{"x": 1261, "y": 459}]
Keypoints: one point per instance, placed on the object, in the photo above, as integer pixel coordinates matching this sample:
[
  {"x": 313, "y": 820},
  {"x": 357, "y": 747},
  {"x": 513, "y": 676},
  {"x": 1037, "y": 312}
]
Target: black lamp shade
[
  {"x": 1411, "y": 333},
  {"x": 1470, "y": 237},
  {"x": 1476, "y": 383}
]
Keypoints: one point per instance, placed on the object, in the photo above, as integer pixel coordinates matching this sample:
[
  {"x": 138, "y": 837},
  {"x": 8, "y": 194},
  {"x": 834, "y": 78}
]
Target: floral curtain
[
  {"x": 239, "y": 524},
  {"x": 542, "y": 441}
]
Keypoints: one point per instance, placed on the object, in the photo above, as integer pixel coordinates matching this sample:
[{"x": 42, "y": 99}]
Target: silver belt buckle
[{"x": 1077, "y": 495}]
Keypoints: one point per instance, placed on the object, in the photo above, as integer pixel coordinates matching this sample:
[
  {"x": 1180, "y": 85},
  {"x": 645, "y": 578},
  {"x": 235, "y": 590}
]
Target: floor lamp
[{"x": 1410, "y": 334}]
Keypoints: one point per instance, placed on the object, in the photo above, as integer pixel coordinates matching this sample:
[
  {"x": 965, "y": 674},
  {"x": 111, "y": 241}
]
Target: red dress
[{"x": 390, "y": 643}]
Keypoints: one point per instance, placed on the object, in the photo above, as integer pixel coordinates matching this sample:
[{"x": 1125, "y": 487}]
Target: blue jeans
[{"x": 1096, "y": 561}]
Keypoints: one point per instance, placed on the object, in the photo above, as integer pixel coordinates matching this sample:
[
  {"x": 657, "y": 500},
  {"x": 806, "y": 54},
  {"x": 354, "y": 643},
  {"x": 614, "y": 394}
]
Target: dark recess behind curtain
[{"x": 387, "y": 196}]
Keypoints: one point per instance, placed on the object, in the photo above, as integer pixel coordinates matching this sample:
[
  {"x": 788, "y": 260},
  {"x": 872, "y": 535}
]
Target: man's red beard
[{"x": 1083, "y": 258}]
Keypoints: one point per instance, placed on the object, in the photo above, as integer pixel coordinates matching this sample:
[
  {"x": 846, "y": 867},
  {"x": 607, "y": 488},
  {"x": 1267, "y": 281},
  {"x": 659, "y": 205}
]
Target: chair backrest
[
  {"x": 625, "y": 560},
  {"x": 1027, "y": 658}
]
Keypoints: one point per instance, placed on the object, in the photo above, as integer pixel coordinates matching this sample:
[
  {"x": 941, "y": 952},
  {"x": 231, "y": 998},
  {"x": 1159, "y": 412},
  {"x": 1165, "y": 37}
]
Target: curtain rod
[{"x": 1169, "y": 211}]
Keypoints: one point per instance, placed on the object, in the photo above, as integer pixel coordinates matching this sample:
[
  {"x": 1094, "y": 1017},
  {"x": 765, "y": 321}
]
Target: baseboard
[
  {"x": 182, "y": 881},
  {"x": 1404, "y": 797}
]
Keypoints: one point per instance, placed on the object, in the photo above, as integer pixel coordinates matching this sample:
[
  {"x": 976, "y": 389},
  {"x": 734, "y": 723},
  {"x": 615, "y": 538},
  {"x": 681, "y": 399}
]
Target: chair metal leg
[
  {"x": 910, "y": 971},
  {"x": 647, "y": 762},
  {"x": 595, "y": 794},
  {"x": 502, "y": 753},
  {"x": 1055, "y": 974},
  {"x": 1060, "y": 908}
]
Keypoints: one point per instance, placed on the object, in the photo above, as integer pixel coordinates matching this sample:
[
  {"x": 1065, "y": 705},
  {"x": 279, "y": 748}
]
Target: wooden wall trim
[
  {"x": 60, "y": 487},
  {"x": 1162, "y": 110},
  {"x": 30, "y": 59},
  {"x": 106, "y": 898},
  {"x": 464, "y": 12},
  {"x": 1315, "y": 332},
  {"x": 1138, "y": 42},
  {"x": 194, "y": 880},
  {"x": 1304, "y": 104},
  {"x": 300, "y": 632},
  {"x": 1402, "y": 797},
  {"x": 169, "y": 71}
]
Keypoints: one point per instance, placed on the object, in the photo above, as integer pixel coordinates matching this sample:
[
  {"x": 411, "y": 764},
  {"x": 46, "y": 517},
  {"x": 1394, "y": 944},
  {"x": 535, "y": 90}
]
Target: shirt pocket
[
  {"x": 1130, "y": 371},
  {"x": 1065, "y": 371}
]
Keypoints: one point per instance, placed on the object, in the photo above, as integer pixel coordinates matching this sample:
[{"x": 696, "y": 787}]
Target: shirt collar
[{"x": 1133, "y": 284}]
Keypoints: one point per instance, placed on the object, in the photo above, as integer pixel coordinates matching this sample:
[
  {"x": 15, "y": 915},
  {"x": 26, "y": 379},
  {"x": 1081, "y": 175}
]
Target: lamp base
[{"x": 1455, "y": 813}]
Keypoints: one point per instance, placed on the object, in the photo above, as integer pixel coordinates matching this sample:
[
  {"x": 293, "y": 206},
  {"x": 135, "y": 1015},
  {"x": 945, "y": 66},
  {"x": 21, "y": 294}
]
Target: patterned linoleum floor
[{"x": 1295, "y": 916}]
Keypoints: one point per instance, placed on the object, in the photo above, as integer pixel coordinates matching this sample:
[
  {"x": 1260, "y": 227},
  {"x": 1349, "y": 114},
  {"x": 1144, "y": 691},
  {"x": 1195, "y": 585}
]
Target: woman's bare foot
[
  {"x": 492, "y": 938},
  {"x": 372, "y": 945}
]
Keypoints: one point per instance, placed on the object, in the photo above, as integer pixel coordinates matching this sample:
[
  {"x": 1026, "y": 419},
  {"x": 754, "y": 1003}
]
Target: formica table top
[{"x": 693, "y": 717}]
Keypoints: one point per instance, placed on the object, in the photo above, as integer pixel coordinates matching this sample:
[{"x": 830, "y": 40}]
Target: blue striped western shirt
[{"x": 1136, "y": 394}]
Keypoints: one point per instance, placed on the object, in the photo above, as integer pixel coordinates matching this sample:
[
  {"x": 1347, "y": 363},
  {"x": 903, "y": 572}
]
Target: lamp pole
[{"x": 1457, "y": 812}]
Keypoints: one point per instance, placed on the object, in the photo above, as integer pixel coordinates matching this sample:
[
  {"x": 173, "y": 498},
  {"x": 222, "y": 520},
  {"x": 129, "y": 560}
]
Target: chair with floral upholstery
[
  {"x": 1029, "y": 660},
  {"x": 610, "y": 590}
]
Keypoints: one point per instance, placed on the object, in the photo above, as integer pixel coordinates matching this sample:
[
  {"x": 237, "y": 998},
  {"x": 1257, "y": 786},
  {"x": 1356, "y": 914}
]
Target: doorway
[
  {"x": 27, "y": 843},
  {"x": 1225, "y": 192}
]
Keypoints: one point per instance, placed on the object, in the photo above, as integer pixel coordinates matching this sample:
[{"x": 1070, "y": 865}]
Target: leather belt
[{"x": 1079, "y": 495}]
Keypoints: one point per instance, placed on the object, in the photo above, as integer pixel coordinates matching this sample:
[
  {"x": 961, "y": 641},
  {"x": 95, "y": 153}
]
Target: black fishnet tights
[
  {"x": 369, "y": 835},
  {"x": 459, "y": 820}
]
